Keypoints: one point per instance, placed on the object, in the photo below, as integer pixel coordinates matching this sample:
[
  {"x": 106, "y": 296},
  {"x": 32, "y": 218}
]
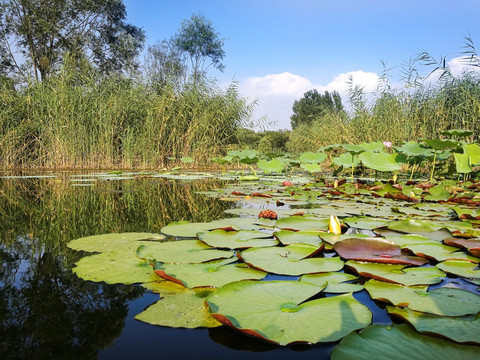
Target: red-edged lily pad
[
  {"x": 472, "y": 245},
  {"x": 375, "y": 250}
]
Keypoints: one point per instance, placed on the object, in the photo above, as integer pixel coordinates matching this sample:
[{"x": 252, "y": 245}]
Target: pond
[{"x": 47, "y": 312}]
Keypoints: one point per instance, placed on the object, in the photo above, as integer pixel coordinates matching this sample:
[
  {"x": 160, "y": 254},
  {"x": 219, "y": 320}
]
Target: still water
[{"x": 46, "y": 312}]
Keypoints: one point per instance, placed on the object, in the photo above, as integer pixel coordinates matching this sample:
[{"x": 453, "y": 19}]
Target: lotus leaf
[
  {"x": 185, "y": 309},
  {"x": 115, "y": 268},
  {"x": 290, "y": 260},
  {"x": 287, "y": 237},
  {"x": 109, "y": 242},
  {"x": 365, "y": 222},
  {"x": 457, "y": 132},
  {"x": 473, "y": 151},
  {"x": 313, "y": 158},
  {"x": 380, "y": 161},
  {"x": 441, "y": 301},
  {"x": 378, "y": 342},
  {"x": 312, "y": 168},
  {"x": 413, "y": 148},
  {"x": 237, "y": 239},
  {"x": 277, "y": 311},
  {"x": 346, "y": 160},
  {"x": 462, "y": 163},
  {"x": 272, "y": 166},
  {"x": 182, "y": 251},
  {"x": 213, "y": 274},
  {"x": 398, "y": 273},
  {"x": 335, "y": 282},
  {"x": 438, "y": 144},
  {"x": 461, "y": 268},
  {"x": 375, "y": 250},
  {"x": 439, "y": 252},
  {"x": 302, "y": 223},
  {"x": 457, "y": 328},
  {"x": 354, "y": 149},
  {"x": 438, "y": 193}
]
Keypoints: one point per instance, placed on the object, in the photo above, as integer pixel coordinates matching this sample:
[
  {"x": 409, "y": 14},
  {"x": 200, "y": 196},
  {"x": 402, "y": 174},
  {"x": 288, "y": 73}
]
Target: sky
[{"x": 276, "y": 50}]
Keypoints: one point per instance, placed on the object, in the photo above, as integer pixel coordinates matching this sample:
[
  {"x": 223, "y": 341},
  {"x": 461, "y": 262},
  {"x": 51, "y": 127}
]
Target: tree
[
  {"x": 164, "y": 65},
  {"x": 314, "y": 105},
  {"x": 38, "y": 33},
  {"x": 199, "y": 41}
]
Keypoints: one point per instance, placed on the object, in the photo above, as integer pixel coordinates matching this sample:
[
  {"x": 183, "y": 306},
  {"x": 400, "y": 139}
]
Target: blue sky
[{"x": 278, "y": 49}]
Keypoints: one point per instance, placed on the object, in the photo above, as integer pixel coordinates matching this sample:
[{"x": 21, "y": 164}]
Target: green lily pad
[
  {"x": 335, "y": 282},
  {"x": 346, "y": 160},
  {"x": 440, "y": 301},
  {"x": 399, "y": 274},
  {"x": 461, "y": 268},
  {"x": 414, "y": 226},
  {"x": 438, "y": 193},
  {"x": 281, "y": 314},
  {"x": 237, "y": 239},
  {"x": 365, "y": 222},
  {"x": 182, "y": 251},
  {"x": 288, "y": 237},
  {"x": 312, "y": 158},
  {"x": 375, "y": 250},
  {"x": 472, "y": 245},
  {"x": 438, "y": 144},
  {"x": 380, "y": 161},
  {"x": 302, "y": 223},
  {"x": 109, "y": 242},
  {"x": 400, "y": 342},
  {"x": 413, "y": 148},
  {"x": 467, "y": 213},
  {"x": 462, "y": 163},
  {"x": 290, "y": 260},
  {"x": 332, "y": 238},
  {"x": 115, "y": 268},
  {"x": 407, "y": 239},
  {"x": 185, "y": 229},
  {"x": 459, "y": 328},
  {"x": 213, "y": 274},
  {"x": 184, "y": 309},
  {"x": 473, "y": 151},
  {"x": 439, "y": 252}
]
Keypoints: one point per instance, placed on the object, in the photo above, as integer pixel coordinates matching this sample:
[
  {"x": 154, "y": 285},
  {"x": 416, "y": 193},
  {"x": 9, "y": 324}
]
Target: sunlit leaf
[
  {"x": 281, "y": 314},
  {"x": 380, "y": 161},
  {"x": 287, "y": 237},
  {"x": 313, "y": 158},
  {"x": 461, "y": 268},
  {"x": 237, "y": 239},
  {"x": 113, "y": 241},
  {"x": 302, "y": 223},
  {"x": 335, "y": 282}
]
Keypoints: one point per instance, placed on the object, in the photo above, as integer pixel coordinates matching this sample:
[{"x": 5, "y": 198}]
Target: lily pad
[
  {"x": 290, "y": 260},
  {"x": 109, "y": 242},
  {"x": 461, "y": 268},
  {"x": 115, "y": 268},
  {"x": 302, "y": 223},
  {"x": 472, "y": 245},
  {"x": 407, "y": 239},
  {"x": 335, "y": 282},
  {"x": 281, "y": 314},
  {"x": 182, "y": 251},
  {"x": 272, "y": 166},
  {"x": 400, "y": 341},
  {"x": 237, "y": 239},
  {"x": 332, "y": 238},
  {"x": 288, "y": 237},
  {"x": 439, "y": 252},
  {"x": 441, "y": 301},
  {"x": 185, "y": 229},
  {"x": 399, "y": 274},
  {"x": 184, "y": 309},
  {"x": 365, "y": 222},
  {"x": 459, "y": 328},
  {"x": 375, "y": 250},
  {"x": 213, "y": 274}
]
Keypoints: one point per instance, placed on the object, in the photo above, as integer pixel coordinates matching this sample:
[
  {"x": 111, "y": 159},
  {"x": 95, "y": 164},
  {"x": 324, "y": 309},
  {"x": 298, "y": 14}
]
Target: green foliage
[
  {"x": 314, "y": 105},
  {"x": 44, "y": 31}
]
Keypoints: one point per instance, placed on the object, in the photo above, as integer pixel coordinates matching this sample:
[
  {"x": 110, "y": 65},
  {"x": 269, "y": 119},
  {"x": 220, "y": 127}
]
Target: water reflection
[{"x": 46, "y": 312}]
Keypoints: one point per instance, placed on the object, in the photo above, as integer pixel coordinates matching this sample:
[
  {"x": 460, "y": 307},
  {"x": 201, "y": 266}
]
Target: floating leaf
[
  {"x": 472, "y": 245},
  {"x": 332, "y": 238},
  {"x": 375, "y": 250},
  {"x": 441, "y": 301},
  {"x": 461, "y": 268},
  {"x": 312, "y": 168},
  {"x": 335, "y": 282},
  {"x": 302, "y": 223},
  {"x": 281, "y": 314},
  {"x": 290, "y": 260},
  {"x": 114, "y": 268},
  {"x": 272, "y": 166},
  {"x": 185, "y": 229},
  {"x": 439, "y": 252},
  {"x": 398, "y": 273},
  {"x": 183, "y": 251},
  {"x": 407, "y": 239},
  {"x": 185, "y": 309},
  {"x": 367, "y": 223},
  {"x": 237, "y": 239},
  {"x": 287, "y": 237},
  {"x": 214, "y": 273},
  {"x": 401, "y": 342},
  {"x": 459, "y": 328},
  {"x": 109, "y": 242}
]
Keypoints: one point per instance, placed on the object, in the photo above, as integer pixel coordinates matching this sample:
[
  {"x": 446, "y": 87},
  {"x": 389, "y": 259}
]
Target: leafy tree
[
  {"x": 199, "y": 41},
  {"x": 38, "y": 33},
  {"x": 314, "y": 105},
  {"x": 164, "y": 65}
]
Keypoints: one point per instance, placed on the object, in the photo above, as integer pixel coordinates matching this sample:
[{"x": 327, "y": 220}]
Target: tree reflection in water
[{"x": 46, "y": 312}]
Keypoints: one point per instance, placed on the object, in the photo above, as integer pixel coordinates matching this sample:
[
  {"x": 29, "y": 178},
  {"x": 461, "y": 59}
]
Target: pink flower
[{"x": 388, "y": 144}]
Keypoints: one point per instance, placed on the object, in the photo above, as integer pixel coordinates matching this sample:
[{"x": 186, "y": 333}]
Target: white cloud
[{"x": 276, "y": 93}]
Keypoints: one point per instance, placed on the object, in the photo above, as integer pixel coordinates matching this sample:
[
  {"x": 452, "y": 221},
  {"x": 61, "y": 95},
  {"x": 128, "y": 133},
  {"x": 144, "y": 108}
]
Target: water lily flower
[
  {"x": 388, "y": 144},
  {"x": 334, "y": 225}
]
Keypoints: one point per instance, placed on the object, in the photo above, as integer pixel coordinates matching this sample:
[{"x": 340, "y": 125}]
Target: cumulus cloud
[{"x": 276, "y": 93}]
